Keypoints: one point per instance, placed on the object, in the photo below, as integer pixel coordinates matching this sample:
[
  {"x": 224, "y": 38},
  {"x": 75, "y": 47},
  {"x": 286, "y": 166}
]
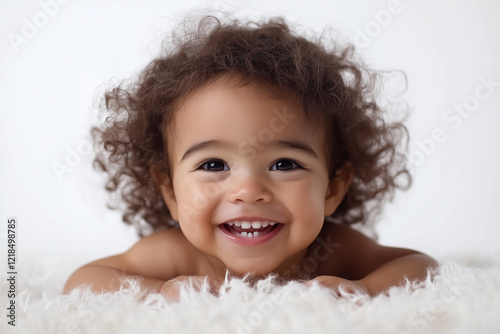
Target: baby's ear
[
  {"x": 164, "y": 184},
  {"x": 337, "y": 188}
]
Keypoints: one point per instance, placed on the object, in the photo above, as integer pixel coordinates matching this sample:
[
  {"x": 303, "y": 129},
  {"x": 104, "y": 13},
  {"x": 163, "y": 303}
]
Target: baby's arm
[
  {"x": 371, "y": 266},
  {"x": 155, "y": 260},
  {"x": 106, "y": 274},
  {"x": 392, "y": 273}
]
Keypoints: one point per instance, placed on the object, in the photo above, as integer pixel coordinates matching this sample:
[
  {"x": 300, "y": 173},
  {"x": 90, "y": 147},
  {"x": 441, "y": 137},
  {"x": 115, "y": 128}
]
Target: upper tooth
[
  {"x": 246, "y": 225},
  {"x": 256, "y": 224}
]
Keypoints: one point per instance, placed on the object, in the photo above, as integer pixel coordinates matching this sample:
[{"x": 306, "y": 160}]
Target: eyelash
[
  {"x": 297, "y": 165},
  {"x": 200, "y": 165}
]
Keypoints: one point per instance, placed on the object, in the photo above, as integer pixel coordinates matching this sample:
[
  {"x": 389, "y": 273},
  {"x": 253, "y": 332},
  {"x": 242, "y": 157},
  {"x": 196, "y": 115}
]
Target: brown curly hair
[{"x": 331, "y": 85}]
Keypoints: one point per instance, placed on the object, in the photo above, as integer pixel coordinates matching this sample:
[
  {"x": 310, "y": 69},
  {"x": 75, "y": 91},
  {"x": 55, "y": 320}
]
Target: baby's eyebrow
[
  {"x": 218, "y": 144},
  {"x": 204, "y": 145},
  {"x": 298, "y": 145}
]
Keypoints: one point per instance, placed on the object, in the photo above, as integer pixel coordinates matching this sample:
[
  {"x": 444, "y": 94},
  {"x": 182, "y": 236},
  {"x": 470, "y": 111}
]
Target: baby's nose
[{"x": 249, "y": 189}]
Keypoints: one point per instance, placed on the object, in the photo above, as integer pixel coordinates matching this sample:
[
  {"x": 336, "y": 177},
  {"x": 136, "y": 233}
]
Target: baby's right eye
[{"x": 213, "y": 165}]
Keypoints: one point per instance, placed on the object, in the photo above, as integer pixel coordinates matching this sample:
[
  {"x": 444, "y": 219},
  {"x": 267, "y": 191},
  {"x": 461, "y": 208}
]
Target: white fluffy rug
[{"x": 460, "y": 299}]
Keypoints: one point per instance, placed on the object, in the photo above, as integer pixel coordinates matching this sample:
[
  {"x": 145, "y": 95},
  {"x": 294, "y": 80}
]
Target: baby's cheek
[
  {"x": 195, "y": 222},
  {"x": 195, "y": 196},
  {"x": 308, "y": 212},
  {"x": 310, "y": 200},
  {"x": 196, "y": 205}
]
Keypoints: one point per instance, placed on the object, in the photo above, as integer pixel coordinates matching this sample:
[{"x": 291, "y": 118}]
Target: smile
[{"x": 250, "y": 233}]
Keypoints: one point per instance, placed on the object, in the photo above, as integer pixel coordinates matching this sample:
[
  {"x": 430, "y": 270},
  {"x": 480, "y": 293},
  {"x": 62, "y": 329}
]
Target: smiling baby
[{"x": 248, "y": 150}]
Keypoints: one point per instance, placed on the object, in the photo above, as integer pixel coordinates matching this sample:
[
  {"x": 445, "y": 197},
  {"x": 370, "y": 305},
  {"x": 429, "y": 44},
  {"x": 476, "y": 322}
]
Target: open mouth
[
  {"x": 250, "y": 229},
  {"x": 250, "y": 233}
]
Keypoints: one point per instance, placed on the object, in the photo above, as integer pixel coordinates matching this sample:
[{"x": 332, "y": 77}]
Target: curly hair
[{"x": 329, "y": 82}]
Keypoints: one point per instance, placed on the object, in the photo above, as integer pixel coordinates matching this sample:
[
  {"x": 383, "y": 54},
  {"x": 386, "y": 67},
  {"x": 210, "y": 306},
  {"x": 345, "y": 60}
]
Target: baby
[{"x": 249, "y": 150}]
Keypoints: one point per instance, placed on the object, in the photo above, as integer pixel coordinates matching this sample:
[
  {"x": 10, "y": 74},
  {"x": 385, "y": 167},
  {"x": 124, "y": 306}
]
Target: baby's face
[{"x": 250, "y": 179}]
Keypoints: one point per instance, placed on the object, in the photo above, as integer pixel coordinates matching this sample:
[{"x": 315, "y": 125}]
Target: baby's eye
[
  {"x": 214, "y": 166},
  {"x": 285, "y": 165}
]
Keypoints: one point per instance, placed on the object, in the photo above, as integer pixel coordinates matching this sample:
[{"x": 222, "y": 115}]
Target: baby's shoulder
[
  {"x": 351, "y": 254},
  {"x": 340, "y": 248},
  {"x": 164, "y": 254}
]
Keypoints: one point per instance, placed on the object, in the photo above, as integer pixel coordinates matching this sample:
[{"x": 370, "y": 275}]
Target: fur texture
[{"x": 459, "y": 299}]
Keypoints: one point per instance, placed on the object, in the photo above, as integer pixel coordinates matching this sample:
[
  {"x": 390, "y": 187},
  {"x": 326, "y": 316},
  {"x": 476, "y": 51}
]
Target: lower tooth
[{"x": 249, "y": 234}]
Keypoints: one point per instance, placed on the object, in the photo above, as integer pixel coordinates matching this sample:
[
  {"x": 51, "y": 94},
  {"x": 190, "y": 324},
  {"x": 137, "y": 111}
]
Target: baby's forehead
[{"x": 226, "y": 87}]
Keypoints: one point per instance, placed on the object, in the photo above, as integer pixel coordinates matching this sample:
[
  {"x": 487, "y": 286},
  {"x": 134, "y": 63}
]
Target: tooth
[
  {"x": 250, "y": 235},
  {"x": 265, "y": 224},
  {"x": 256, "y": 224},
  {"x": 246, "y": 225},
  {"x": 244, "y": 234},
  {"x": 237, "y": 224},
  {"x": 255, "y": 234},
  {"x": 230, "y": 223},
  {"x": 272, "y": 223}
]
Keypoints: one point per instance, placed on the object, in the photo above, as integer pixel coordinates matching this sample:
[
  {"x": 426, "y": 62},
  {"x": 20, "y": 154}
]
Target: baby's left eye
[{"x": 285, "y": 165}]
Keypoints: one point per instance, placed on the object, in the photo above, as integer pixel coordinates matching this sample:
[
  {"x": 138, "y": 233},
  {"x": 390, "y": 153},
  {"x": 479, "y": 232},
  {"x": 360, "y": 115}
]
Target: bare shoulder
[
  {"x": 355, "y": 254},
  {"x": 162, "y": 255}
]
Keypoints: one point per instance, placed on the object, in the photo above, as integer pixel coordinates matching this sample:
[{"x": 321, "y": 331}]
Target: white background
[{"x": 51, "y": 84}]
